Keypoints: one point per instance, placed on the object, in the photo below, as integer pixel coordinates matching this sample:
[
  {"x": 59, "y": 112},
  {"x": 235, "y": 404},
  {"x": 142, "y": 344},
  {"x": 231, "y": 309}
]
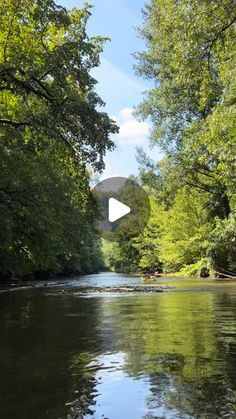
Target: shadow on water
[{"x": 147, "y": 356}]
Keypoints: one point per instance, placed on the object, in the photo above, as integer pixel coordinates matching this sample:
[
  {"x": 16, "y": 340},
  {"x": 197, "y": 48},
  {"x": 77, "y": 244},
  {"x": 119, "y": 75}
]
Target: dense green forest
[
  {"x": 190, "y": 58},
  {"x": 52, "y": 129}
]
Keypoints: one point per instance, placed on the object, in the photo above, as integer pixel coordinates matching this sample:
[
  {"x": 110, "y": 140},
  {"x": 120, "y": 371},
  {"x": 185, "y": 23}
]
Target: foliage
[
  {"x": 45, "y": 62},
  {"x": 200, "y": 268},
  {"x": 112, "y": 255},
  {"x": 222, "y": 249},
  {"x": 184, "y": 231},
  {"x": 149, "y": 242},
  {"x": 51, "y": 127},
  {"x": 190, "y": 57}
]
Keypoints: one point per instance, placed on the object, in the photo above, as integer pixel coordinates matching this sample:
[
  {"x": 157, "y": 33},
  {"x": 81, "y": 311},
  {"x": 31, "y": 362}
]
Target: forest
[{"x": 55, "y": 134}]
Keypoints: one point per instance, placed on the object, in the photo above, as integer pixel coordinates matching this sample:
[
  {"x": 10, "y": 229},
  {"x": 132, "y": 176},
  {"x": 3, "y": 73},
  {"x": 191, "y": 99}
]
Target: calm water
[{"x": 170, "y": 355}]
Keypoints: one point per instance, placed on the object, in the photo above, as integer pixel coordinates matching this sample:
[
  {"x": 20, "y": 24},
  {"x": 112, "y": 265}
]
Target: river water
[{"x": 118, "y": 356}]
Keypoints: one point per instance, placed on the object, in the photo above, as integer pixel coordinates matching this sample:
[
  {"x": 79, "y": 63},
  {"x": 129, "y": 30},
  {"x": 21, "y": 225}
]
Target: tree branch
[
  {"x": 13, "y": 123},
  {"x": 227, "y": 26}
]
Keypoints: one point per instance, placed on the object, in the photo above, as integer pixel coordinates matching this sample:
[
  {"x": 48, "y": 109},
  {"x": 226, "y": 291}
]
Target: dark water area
[{"x": 167, "y": 355}]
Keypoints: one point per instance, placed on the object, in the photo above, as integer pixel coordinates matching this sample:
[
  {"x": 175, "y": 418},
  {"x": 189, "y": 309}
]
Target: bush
[
  {"x": 222, "y": 250},
  {"x": 200, "y": 268}
]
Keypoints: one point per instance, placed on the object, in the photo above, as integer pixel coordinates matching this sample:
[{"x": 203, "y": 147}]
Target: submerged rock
[{"x": 126, "y": 289}]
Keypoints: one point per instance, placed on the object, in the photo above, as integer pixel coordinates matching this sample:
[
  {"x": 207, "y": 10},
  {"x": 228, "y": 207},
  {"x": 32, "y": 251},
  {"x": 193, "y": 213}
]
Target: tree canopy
[
  {"x": 52, "y": 128},
  {"x": 190, "y": 58}
]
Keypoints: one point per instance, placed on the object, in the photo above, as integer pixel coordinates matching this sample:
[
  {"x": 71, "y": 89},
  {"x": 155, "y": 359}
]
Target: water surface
[{"x": 168, "y": 355}]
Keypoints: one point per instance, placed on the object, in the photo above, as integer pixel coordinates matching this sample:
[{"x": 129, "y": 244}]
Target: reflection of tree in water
[
  {"x": 180, "y": 345},
  {"x": 175, "y": 340},
  {"x": 86, "y": 393},
  {"x": 86, "y": 365},
  {"x": 211, "y": 397},
  {"x": 42, "y": 362}
]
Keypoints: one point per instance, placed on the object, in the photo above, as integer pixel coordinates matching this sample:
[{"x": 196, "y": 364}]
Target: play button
[
  {"x": 123, "y": 207},
  {"x": 117, "y": 210}
]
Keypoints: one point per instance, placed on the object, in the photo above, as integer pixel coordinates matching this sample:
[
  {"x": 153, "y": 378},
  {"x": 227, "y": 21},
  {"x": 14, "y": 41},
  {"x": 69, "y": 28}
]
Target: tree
[
  {"x": 185, "y": 230},
  {"x": 51, "y": 128},
  {"x": 148, "y": 243},
  {"x": 190, "y": 57},
  {"x": 222, "y": 249},
  {"x": 46, "y": 86}
]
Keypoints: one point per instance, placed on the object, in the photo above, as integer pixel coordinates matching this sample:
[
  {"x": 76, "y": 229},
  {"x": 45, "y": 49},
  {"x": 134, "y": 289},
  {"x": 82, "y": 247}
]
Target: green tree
[
  {"x": 190, "y": 56},
  {"x": 51, "y": 128},
  {"x": 222, "y": 249},
  {"x": 185, "y": 230},
  {"x": 148, "y": 243}
]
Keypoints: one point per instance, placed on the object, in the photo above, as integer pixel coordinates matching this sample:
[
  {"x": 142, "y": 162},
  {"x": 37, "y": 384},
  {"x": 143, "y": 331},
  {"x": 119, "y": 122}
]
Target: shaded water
[{"x": 169, "y": 355}]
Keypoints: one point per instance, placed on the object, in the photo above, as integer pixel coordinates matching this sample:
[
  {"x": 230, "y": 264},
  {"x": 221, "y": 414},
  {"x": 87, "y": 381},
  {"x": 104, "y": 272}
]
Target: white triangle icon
[{"x": 117, "y": 210}]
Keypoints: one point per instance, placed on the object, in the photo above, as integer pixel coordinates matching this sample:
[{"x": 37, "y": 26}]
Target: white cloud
[
  {"x": 126, "y": 113},
  {"x": 118, "y": 90},
  {"x": 132, "y": 131}
]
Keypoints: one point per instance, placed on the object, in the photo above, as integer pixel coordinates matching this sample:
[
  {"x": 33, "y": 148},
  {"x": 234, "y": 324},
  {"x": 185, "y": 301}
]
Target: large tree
[
  {"x": 51, "y": 128},
  {"x": 45, "y": 82},
  {"x": 190, "y": 57}
]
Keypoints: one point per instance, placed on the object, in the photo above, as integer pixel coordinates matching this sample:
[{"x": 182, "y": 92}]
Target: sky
[{"x": 118, "y": 86}]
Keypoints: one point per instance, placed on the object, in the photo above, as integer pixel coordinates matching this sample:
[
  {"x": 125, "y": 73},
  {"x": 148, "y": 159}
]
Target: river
[{"x": 117, "y": 356}]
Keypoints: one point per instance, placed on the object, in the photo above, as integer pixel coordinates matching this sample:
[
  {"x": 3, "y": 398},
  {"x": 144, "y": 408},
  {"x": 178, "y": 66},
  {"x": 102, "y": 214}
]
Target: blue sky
[{"x": 117, "y": 85}]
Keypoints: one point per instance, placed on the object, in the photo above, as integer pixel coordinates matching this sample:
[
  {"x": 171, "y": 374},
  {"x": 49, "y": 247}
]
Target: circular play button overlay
[{"x": 124, "y": 208}]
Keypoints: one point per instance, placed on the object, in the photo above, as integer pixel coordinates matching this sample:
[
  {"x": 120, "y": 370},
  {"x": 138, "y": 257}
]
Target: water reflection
[{"x": 147, "y": 356}]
